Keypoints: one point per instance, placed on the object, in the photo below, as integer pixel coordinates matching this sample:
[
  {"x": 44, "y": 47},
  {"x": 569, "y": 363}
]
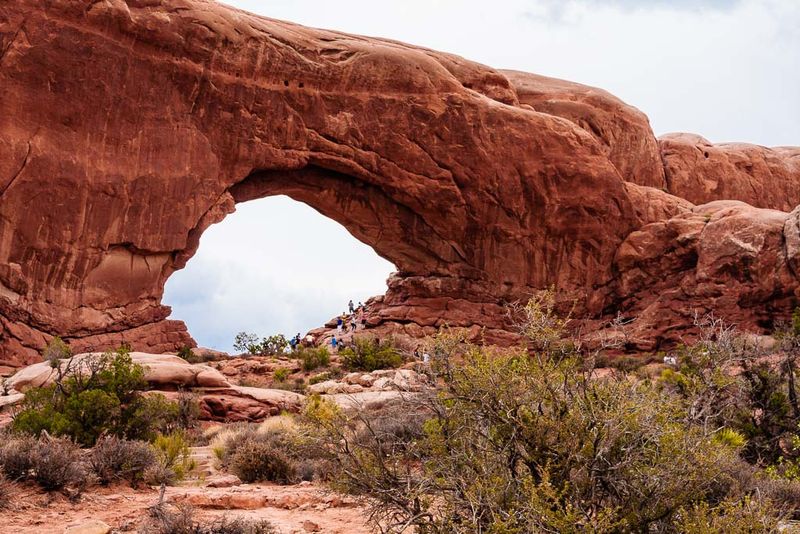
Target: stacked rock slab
[{"x": 129, "y": 127}]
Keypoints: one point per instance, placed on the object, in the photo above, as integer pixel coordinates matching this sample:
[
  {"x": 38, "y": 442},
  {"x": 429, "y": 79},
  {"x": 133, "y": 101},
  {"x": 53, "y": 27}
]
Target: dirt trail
[{"x": 293, "y": 509}]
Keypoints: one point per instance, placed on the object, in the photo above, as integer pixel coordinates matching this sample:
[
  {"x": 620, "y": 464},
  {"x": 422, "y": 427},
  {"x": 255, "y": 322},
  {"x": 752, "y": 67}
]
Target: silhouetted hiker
[
  {"x": 361, "y": 305},
  {"x": 351, "y": 307},
  {"x": 339, "y": 324},
  {"x": 334, "y": 343}
]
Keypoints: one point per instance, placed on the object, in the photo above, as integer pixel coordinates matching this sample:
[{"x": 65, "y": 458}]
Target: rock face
[
  {"x": 701, "y": 172},
  {"x": 128, "y": 128}
]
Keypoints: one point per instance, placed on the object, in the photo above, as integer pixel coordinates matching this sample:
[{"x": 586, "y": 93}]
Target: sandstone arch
[{"x": 128, "y": 127}]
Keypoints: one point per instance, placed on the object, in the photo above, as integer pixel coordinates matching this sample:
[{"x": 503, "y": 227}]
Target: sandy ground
[{"x": 292, "y": 509}]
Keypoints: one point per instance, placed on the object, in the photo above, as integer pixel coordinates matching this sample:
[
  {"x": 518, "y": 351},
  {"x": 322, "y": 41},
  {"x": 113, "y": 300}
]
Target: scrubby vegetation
[
  {"x": 53, "y": 464},
  {"x": 526, "y": 439},
  {"x": 174, "y": 460},
  {"x": 114, "y": 459},
  {"x": 247, "y": 343},
  {"x": 96, "y": 395},
  {"x": 169, "y": 519},
  {"x": 279, "y": 450},
  {"x": 368, "y": 353},
  {"x": 312, "y": 358},
  {"x": 531, "y": 440}
]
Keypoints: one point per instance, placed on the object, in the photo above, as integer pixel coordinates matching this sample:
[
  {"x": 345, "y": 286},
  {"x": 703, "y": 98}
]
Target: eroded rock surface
[{"x": 128, "y": 128}]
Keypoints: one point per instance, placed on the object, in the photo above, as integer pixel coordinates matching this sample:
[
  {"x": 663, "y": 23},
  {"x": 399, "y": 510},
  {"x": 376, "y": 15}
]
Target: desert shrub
[
  {"x": 114, "y": 459},
  {"x": 743, "y": 516},
  {"x": 278, "y": 450},
  {"x": 528, "y": 442},
  {"x": 57, "y": 464},
  {"x": 15, "y": 457},
  {"x": 312, "y": 357},
  {"x": 281, "y": 374},
  {"x": 245, "y": 342},
  {"x": 368, "y": 353},
  {"x": 93, "y": 396},
  {"x": 256, "y": 460},
  {"x": 272, "y": 345},
  {"x": 179, "y": 519},
  {"x": 320, "y": 377},
  {"x": 188, "y": 411},
  {"x": 172, "y": 452},
  {"x": 53, "y": 464},
  {"x": 158, "y": 474},
  {"x": 55, "y": 351},
  {"x": 186, "y": 353}
]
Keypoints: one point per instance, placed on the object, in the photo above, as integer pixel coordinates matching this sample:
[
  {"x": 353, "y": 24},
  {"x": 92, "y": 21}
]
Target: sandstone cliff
[{"x": 128, "y": 127}]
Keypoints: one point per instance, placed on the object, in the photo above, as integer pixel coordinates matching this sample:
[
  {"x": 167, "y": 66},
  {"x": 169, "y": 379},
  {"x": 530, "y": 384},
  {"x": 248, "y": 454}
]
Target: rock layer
[{"x": 128, "y": 128}]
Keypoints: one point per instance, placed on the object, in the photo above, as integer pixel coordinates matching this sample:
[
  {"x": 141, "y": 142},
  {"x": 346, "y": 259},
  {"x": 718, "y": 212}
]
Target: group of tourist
[
  {"x": 297, "y": 342},
  {"x": 349, "y": 322}
]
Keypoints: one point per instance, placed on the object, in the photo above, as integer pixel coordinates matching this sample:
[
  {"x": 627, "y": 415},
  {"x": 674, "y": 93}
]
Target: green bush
[
  {"x": 172, "y": 452},
  {"x": 187, "y": 354},
  {"x": 281, "y": 374},
  {"x": 312, "y": 357},
  {"x": 275, "y": 452},
  {"x": 273, "y": 345},
  {"x": 93, "y": 396},
  {"x": 321, "y": 377},
  {"x": 369, "y": 354},
  {"x": 114, "y": 459},
  {"x": 245, "y": 342}
]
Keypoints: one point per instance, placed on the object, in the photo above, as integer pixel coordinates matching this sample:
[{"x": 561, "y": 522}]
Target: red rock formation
[
  {"x": 623, "y": 131},
  {"x": 127, "y": 128},
  {"x": 701, "y": 172}
]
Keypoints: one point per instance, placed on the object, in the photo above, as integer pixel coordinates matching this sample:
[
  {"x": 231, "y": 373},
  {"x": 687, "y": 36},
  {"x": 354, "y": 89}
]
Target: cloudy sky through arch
[{"x": 726, "y": 69}]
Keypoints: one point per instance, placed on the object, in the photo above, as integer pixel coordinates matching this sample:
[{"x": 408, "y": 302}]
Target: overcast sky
[{"x": 726, "y": 69}]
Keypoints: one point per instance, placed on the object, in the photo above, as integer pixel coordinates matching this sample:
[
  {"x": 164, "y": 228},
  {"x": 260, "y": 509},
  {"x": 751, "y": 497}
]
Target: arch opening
[{"x": 275, "y": 265}]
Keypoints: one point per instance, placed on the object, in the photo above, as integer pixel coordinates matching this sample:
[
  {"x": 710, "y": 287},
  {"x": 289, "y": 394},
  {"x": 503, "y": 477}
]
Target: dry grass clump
[
  {"x": 169, "y": 519},
  {"x": 277, "y": 450},
  {"x": 57, "y": 464},
  {"x": 115, "y": 459},
  {"x": 15, "y": 456},
  {"x": 53, "y": 464}
]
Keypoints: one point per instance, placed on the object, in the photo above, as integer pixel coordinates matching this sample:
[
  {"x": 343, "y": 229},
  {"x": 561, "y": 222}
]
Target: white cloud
[
  {"x": 275, "y": 265},
  {"x": 726, "y": 69}
]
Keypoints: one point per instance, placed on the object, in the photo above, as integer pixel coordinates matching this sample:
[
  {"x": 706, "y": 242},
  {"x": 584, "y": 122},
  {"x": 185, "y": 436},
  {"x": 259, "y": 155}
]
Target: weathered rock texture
[{"x": 128, "y": 127}]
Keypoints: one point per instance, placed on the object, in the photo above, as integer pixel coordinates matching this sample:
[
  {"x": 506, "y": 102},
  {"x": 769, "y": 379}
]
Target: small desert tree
[{"x": 245, "y": 342}]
